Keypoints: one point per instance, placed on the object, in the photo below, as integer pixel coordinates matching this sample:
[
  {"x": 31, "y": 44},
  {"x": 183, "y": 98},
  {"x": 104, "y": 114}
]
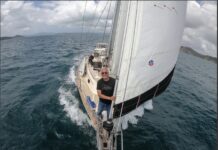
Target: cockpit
[{"x": 99, "y": 58}]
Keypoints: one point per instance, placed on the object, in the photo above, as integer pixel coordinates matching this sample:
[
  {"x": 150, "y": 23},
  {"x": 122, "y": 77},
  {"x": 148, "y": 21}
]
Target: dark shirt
[
  {"x": 91, "y": 59},
  {"x": 107, "y": 88}
]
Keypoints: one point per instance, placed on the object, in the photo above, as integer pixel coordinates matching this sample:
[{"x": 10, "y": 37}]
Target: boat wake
[
  {"x": 70, "y": 102},
  {"x": 71, "y": 76}
]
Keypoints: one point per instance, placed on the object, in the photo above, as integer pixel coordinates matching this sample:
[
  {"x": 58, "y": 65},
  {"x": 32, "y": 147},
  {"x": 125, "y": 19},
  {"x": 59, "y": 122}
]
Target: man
[
  {"x": 91, "y": 57},
  {"x": 105, "y": 90}
]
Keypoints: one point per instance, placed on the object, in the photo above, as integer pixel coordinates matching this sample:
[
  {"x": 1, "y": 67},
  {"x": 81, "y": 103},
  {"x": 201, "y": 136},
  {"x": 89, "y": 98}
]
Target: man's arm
[{"x": 100, "y": 95}]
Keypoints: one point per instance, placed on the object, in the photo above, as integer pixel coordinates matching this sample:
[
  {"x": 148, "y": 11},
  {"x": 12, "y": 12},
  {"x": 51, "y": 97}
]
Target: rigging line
[
  {"x": 121, "y": 138},
  {"x": 96, "y": 7},
  {"x": 83, "y": 21},
  {"x": 102, "y": 12},
  {"x": 91, "y": 40},
  {"x": 156, "y": 90},
  {"x": 139, "y": 98},
  {"x": 106, "y": 21},
  {"x": 100, "y": 17},
  {"x": 112, "y": 29},
  {"x": 124, "y": 95}
]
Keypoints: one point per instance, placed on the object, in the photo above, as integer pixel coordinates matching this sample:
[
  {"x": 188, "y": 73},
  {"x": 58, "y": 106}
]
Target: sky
[{"x": 37, "y": 17}]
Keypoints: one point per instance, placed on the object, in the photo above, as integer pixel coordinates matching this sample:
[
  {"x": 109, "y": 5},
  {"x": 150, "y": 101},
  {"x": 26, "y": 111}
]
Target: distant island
[
  {"x": 193, "y": 52},
  {"x": 185, "y": 49},
  {"x": 10, "y": 37}
]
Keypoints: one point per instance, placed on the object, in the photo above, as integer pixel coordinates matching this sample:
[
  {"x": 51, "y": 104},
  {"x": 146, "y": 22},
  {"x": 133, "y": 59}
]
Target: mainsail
[{"x": 146, "y": 48}]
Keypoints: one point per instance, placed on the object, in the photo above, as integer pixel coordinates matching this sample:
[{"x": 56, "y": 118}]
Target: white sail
[
  {"x": 119, "y": 35},
  {"x": 146, "y": 50}
]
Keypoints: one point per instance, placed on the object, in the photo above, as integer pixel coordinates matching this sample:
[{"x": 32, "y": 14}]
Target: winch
[{"x": 108, "y": 125}]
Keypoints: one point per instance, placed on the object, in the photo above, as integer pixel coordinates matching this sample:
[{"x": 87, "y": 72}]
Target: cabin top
[
  {"x": 100, "y": 49},
  {"x": 101, "y": 45}
]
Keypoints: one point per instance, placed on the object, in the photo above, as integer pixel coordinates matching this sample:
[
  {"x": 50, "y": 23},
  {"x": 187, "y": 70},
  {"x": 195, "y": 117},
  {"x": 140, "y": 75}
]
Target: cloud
[
  {"x": 32, "y": 17},
  {"x": 201, "y": 27},
  {"x": 17, "y": 17}
]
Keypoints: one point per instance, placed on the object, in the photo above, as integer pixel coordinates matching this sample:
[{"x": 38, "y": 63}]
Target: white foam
[
  {"x": 71, "y": 107},
  {"x": 71, "y": 76},
  {"x": 59, "y": 136},
  {"x": 148, "y": 105},
  {"x": 134, "y": 115}
]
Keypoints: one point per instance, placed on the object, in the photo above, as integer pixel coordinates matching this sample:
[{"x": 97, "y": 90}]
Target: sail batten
[{"x": 147, "y": 56}]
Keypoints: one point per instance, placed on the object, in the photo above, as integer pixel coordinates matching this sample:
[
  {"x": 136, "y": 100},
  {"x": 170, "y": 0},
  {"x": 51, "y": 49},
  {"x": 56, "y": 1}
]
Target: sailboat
[{"x": 141, "y": 55}]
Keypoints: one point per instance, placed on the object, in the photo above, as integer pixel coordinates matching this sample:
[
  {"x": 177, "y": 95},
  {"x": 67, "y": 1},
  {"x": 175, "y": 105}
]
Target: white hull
[
  {"x": 88, "y": 89},
  {"x": 86, "y": 82}
]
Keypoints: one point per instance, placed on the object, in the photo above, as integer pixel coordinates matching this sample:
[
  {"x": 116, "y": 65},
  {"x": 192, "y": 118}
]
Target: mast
[
  {"x": 114, "y": 28},
  {"x": 119, "y": 36}
]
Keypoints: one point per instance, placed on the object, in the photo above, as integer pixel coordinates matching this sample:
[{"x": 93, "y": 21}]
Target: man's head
[{"x": 105, "y": 73}]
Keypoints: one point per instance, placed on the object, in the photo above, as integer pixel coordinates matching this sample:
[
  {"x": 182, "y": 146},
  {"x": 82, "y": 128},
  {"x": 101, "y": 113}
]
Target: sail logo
[{"x": 151, "y": 63}]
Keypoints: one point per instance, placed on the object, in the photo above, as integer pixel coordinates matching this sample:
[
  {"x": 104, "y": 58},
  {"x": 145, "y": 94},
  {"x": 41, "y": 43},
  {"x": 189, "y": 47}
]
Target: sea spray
[
  {"x": 148, "y": 104},
  {"x": 71, "y": 76},
  {"x": 133, "y": 116}
]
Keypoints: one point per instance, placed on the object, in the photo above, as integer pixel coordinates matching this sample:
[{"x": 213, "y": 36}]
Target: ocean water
[{"x": 40, "y": 107}]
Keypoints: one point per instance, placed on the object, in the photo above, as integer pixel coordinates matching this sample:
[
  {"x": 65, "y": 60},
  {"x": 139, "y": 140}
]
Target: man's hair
[{"x": 104, "y": 68}]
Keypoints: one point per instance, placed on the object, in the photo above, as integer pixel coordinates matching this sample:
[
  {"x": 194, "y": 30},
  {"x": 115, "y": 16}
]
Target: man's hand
[{"x": 112, "y": 98}]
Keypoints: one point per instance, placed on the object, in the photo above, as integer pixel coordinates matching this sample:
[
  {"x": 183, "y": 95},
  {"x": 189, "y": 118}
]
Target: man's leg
[
  {"x": 108, "y": 108},
  {"x": 100, "y": 108}
]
